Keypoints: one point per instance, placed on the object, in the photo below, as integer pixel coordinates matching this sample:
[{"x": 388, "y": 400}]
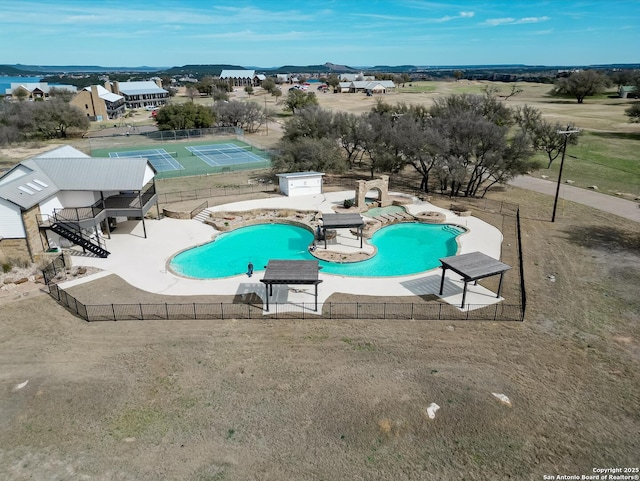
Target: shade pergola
[
  {"x": 342, "y": 221},
  {"x": 291, "y": 272},
  {"x": 472, "y": 267}
]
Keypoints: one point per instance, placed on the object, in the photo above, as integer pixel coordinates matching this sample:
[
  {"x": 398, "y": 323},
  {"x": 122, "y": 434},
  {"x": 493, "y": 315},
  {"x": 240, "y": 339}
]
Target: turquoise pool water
[
  {"x": 390, "y": 209},
  {"x": 403, "y": 249}
]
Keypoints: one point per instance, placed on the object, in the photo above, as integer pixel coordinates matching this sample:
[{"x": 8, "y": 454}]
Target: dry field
[
  {"x": 336, "y": 400},
  {"x": 342, "y": 400}
]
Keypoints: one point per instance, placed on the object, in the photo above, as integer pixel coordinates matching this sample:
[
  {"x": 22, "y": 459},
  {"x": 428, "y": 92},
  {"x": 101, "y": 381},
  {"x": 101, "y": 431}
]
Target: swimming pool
[
  {"x": 390, "y": 209},
  {"x": 403, "y": 249}
]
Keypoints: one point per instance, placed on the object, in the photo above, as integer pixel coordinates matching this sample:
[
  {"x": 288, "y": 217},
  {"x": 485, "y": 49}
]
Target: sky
[{"x": 163, "y": 33}]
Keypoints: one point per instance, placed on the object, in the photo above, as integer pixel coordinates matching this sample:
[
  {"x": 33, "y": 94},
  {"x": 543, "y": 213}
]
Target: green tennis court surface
[
  {"x": 194, "y": 158},
  {"x": 161, "y": 160}
]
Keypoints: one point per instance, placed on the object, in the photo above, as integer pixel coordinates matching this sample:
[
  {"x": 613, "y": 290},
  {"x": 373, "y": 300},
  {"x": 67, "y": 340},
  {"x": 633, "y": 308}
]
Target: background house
[
  {"x": 35, "y": 91},
  {"x": 98, "y": 103},
  {"x": 140, "y": 94},
  {"x": 65, "y": 197},
  {"x": 239, "y": 78},
  {"x": 627, "y": 91}
]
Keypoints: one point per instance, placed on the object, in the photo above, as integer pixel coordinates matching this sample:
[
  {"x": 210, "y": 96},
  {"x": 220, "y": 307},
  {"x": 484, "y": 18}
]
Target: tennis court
[
  {"x": 161, "y": 160},
  {"x": 218, "y": 155},
  {"x": 175, "y": 158}
]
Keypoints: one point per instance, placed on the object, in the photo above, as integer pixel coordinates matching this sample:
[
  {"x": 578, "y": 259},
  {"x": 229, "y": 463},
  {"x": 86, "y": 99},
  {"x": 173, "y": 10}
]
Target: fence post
[
  {"x": 440, "y": 312},
  {"x": 166, "y": 310},
  {"x": 194, "y": 311},
  {"x": 113, "y": 309},
  {"x": 357, "y": 310},
  {"x": 141, "y": 314},
  {"x": 222, "y": 310}
]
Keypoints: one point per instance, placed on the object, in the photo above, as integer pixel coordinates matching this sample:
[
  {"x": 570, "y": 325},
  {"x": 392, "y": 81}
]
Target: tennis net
[
  {"x": 222, "y": 150},
  {"x": 160, "y": 155}
]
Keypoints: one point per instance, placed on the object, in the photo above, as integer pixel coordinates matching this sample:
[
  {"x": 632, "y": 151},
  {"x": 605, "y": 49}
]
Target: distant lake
[{"x": 5, "y": 82}]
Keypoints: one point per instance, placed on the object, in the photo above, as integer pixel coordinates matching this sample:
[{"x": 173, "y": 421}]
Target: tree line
[
  {"x": 463, "y": 144},
  {"x": 51, "y": 119}
]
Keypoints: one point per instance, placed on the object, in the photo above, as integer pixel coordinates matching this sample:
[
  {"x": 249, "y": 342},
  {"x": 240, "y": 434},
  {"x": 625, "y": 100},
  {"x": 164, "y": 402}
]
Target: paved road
[{"x": 607, "y": 203}]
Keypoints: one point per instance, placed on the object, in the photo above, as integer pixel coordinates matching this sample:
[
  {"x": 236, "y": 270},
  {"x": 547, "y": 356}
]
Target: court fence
[{"x": 209, "y": 192}]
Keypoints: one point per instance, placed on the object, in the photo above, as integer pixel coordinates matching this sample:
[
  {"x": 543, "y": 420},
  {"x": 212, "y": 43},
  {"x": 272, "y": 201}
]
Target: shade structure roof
[
  {"x": 339, "y": 221},
  {"x": 474, "y": 265},
  {"x": 291, "y": 272}
]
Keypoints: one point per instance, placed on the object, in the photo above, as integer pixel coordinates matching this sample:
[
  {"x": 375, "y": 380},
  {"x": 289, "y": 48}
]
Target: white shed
[{"x": 301, "y": 183}]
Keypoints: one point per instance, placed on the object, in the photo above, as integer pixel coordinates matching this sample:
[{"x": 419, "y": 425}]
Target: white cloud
[
  {"x": 532, "y": 20},
  {"x": 494, "y": 22}
]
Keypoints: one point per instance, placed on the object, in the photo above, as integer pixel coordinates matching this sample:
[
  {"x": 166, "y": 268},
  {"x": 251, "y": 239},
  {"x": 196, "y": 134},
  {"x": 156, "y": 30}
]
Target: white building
[
  {"x": 65, "y": 197},
  {"x": 301, "y": 183}
]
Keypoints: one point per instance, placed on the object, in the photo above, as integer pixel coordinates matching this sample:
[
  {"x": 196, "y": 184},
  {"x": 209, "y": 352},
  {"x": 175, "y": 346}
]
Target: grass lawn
[{"x": 606, "y": 160}]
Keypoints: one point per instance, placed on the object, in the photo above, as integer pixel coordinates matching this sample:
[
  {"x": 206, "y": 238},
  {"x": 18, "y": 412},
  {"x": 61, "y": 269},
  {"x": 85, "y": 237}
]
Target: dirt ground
[{"x": 342, "y": 400}]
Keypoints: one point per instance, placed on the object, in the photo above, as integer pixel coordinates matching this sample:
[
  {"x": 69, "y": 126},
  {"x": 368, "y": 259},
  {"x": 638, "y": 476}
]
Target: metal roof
[
  {"x": 63, "y": 151},
  {"x": 94, "y": 174},
  {"x": 140, "y": 88},
  {"x": 310, "y": 173},
  {"x": 29, "y": 189},
  {"x": 45, "y": 175},
  {"x": 237, "y": 74},
  {"x": 42, "y": 86},
  {"x": 104, "y": 94}
]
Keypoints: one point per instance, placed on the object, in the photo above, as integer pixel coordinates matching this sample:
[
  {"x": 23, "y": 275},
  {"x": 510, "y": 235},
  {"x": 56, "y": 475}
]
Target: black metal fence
[
  {"x": 328, "y": 310},
  {"x": 52, "y": 270},
  {"x": 510, "y": 215},
  {"x": 523, "y": 291}
]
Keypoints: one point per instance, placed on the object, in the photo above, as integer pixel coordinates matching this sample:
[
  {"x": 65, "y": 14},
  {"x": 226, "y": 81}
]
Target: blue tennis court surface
[
  {"x": 217, "y": 155},
  {"x": 161, "y": 160}
]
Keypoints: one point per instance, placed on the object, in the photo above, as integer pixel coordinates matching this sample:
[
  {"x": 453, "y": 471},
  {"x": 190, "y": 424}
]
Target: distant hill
[
  {"x": 15, "y": 72},
  {"x": 391, "y": 69},
  {"x": 200, "y": 70},
  {"x": 50, "y": 69}
]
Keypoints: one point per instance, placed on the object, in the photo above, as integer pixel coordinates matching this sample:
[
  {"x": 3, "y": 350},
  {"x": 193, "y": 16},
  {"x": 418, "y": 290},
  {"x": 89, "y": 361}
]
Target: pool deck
[{"x": 143, "y": 262}]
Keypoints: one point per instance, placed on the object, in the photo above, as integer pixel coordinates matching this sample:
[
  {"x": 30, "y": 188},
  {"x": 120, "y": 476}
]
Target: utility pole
[
  {"x": 566, "y": 134},
  {"x": 266, "y": 116}
]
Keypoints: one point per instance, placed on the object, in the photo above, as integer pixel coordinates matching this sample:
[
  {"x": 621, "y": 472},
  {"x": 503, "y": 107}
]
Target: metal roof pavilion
[{"x": 471, "y": 267}]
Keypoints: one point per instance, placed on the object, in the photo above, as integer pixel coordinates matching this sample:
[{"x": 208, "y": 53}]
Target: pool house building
[{"x": 65, "y": 197}]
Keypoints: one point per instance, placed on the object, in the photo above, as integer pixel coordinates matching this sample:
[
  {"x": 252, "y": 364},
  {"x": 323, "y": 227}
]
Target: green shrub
[
  {"x": 348, "y": 203},
  {"x": 6, "y": 267}
]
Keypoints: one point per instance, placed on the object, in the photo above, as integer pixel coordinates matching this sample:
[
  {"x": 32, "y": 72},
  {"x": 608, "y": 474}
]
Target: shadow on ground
[{"x": 605, "y": 237}]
